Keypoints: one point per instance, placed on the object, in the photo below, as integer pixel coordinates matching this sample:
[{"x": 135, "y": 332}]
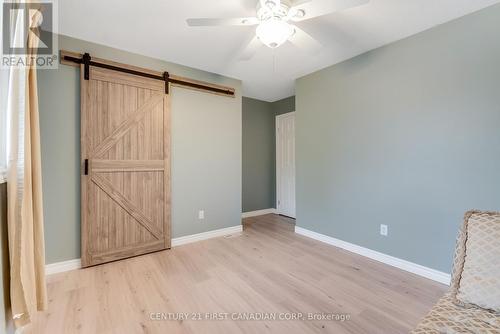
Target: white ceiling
[{"x": 157, "y": 28}]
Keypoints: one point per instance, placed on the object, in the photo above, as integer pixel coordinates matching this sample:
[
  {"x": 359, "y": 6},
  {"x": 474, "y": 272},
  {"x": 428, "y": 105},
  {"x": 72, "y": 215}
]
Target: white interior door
[{"x": 285, "y": 164}]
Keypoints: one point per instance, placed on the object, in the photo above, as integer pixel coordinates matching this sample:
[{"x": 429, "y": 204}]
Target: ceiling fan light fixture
[{"x": 274, "y": 32}]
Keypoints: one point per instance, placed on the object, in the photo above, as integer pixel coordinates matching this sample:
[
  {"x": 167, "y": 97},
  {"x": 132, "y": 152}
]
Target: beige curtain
[{"x": 24, "y": 191}]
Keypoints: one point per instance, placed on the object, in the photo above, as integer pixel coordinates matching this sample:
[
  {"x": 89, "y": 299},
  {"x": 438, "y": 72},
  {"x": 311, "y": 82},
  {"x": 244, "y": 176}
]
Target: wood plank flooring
[{"x": 266, "y": 271}]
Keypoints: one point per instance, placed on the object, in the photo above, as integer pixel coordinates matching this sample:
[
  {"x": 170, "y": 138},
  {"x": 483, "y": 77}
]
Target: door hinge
[{"x": 86, "y": 167}]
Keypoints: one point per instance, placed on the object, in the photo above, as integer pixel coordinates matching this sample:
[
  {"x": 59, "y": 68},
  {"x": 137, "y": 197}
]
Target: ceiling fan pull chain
[{"x": 274, "y": 61}]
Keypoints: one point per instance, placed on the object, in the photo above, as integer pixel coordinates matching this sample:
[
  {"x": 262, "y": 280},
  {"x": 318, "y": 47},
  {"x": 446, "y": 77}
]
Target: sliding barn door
[{"x": 125, "y": 141}]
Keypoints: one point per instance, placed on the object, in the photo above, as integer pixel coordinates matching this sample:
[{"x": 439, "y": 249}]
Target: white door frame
[{"x": 278, "y": 173}]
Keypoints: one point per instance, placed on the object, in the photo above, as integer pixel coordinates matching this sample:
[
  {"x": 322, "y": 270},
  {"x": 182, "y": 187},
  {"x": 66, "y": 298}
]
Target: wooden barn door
[{"x": 125, "y": 141}]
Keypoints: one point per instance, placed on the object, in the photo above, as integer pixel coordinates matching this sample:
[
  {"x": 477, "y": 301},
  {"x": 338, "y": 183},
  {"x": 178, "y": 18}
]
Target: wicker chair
[{"x": 450, "y": 315}]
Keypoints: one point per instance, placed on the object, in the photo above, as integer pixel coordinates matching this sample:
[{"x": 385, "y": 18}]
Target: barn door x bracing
[{"x": 125, "y": 140}]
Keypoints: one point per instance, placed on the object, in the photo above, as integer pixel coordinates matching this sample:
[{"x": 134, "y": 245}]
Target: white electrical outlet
[
  {"x": 201, "y": 214},
  {"x": 384, "y": 230}
]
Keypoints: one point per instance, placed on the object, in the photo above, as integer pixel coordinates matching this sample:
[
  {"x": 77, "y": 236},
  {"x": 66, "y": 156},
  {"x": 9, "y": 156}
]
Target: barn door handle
[{"x": 86, "y": 167}]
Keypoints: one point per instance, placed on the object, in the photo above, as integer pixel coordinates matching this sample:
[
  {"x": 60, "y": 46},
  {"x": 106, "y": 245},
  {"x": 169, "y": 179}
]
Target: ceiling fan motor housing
[{"x": 271, "y": 9}]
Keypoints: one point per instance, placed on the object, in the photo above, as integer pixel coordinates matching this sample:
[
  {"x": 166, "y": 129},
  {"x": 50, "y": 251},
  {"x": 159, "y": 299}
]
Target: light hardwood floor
[{"x": 266, "y": 269}]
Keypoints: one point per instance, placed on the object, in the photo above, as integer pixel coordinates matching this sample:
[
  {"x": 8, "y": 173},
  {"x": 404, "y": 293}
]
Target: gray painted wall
[
  {"x": 6, "y": 324},
  {"x": 259, "y": 147},
  {"x": 206, "y": 149},
  {"x": 406, "y": 135}
]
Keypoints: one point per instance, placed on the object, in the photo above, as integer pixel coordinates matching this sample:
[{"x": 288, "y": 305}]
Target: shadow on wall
[{"x": 5, "y": 322}]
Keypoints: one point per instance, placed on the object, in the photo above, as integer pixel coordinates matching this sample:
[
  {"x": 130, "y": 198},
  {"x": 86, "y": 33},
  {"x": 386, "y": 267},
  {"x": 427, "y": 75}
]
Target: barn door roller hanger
[{"x": 87, "y": 61}]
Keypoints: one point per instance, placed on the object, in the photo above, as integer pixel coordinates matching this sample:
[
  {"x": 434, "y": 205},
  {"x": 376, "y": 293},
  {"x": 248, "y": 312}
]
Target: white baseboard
[
  {"x": 60, "y": 267},
  {"x": 258, "y": 213},
  {"x": 411, "y": 267},
  {"x": 206, "y": 235}
]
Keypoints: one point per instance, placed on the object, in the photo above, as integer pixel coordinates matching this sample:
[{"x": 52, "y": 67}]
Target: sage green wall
[
  {"x": 206, "y": 161},
  {"x": 283, "y": 106},
  {"x": 6, "y": 325},
  {"x": 406, "y": 135},
  {"x": 258, "y": 155},
  {"x": 206, "y": 150},
  {"x": 259, "y": 151}
]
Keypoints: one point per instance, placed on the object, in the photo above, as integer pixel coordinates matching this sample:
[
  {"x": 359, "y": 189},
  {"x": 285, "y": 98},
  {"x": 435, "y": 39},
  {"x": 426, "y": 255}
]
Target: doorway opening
[{"x": 285, "y": 164}]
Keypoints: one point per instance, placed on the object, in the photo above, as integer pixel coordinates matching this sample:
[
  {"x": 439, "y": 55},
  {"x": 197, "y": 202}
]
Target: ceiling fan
[{"x": 274, "y": 21}]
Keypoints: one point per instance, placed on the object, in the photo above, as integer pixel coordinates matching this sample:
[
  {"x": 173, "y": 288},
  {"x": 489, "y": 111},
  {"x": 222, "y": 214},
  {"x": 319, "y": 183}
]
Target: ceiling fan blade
[
  {"x": 298, "y": 3},
  {"x": 304, "y": 41},
  {"x": 307, "y": 9},
  {"x": 206, "y": 22},
  {"x": 250, "y": 49}
]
